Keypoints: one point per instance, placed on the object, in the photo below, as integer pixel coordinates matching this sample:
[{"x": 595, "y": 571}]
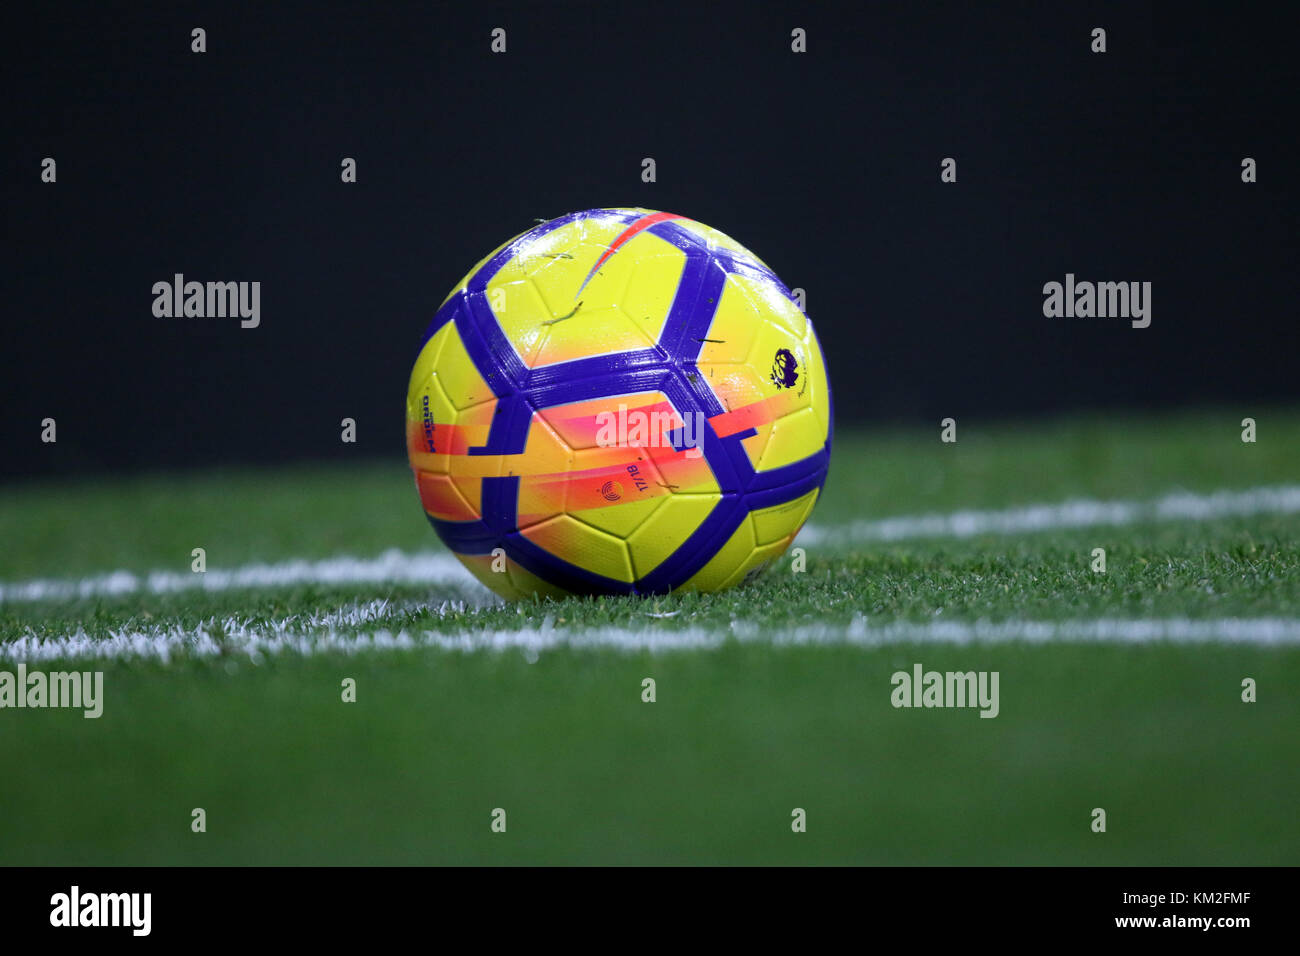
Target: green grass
[{"x": 739, "y": 736}]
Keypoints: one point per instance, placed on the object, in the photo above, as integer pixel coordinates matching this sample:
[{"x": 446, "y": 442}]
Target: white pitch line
[
  {"x": 439, "y": 569},
  {"x": 162, "y": 642},
  {"x": 391, "y": 567},
  {"x": 239, "y": 639},
  {"x": 1077, "y": 513}
]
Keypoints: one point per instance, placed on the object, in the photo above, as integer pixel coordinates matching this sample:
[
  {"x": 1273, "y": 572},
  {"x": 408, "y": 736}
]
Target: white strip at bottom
[{"x": 320, "y": 634}]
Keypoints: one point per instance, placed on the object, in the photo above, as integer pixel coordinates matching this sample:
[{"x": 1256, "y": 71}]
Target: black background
[
  {"x": 927, "y": 296},
  {"x": 335, "y": 906}
]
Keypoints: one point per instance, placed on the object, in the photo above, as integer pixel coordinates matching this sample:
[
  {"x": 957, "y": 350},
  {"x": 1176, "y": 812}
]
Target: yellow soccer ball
[{"x": 618, "y": 401}]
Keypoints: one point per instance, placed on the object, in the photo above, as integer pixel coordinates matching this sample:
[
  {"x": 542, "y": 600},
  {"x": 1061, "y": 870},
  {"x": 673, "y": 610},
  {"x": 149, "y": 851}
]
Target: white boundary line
[
  {"x": 439, "y": 569},
  {"x": 1077, "y": 513},
  {"x": 391, "y": 567},
  {"x": 320, "y": 634}
]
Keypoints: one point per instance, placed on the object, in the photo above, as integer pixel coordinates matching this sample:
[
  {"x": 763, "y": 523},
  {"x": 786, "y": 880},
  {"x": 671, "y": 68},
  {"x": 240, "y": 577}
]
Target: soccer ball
[{"x": 618, "y": 401}]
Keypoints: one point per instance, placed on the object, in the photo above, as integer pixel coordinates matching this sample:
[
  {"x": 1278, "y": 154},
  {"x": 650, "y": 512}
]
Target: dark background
[{"x": 926, "y": 296}]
